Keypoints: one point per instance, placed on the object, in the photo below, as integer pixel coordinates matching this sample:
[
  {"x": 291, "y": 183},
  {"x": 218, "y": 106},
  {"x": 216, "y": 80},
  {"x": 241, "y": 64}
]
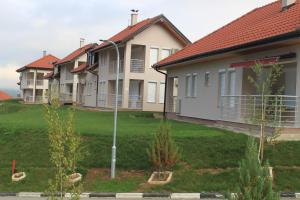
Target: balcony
[
  {"x": 39, "y": 82},
  {"x": 137, "y": 66},
  {"x": 69, "y": 76},
  {"x": 135, "y": 101},
  {"x": 112, "y": 100},
  {"x": 66, "y": 97},
  {"x": 29, "y": 82},
  {"x": 281, "y": 110}
]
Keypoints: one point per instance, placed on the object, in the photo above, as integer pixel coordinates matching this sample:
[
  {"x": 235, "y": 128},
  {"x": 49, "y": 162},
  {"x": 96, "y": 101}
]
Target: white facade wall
[{"x": 206, "y": 103}]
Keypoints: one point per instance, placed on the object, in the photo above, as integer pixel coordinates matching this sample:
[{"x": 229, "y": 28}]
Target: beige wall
[{"x": 206, "y": 105}]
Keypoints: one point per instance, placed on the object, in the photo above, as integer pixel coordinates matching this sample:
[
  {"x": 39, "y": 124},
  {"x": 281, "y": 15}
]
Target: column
[
  {"x": 34, "y": 85},
  {"x": 126, "y": 77}
]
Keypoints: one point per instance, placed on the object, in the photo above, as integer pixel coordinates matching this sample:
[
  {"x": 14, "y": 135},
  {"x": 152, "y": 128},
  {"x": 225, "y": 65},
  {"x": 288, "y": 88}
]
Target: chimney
[
  {"x": 134, "y": 17},
  {"x": 81, "y": 42},
  {"x": 287, "y": 3},
  {"x": 44, "y": 53}
]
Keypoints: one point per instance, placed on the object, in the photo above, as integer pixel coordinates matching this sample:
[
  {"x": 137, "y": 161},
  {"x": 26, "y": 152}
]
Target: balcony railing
[
  {"x": 29, "y": 82},
  {"x": 102, "y": 100},
  {"x": 112, "y": 100},
  {"x": 135, "y": 101},
  {"x": 280, "y": 110},
  {"x": 137, "y": 66},
  {"x": 174, "y": 105},
  {"x": 69, "y": 76},
  {"x": 66, "y": 97},
  {"x": 28, "y": 99},
  {"x": 113, "y": 66},
  {"x": 38, "y": 99},
  {"x": 39, "y": 82}
]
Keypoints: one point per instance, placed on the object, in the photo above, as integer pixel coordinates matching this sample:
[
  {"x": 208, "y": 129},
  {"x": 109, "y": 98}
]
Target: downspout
[{"x": 165, "y": 94}]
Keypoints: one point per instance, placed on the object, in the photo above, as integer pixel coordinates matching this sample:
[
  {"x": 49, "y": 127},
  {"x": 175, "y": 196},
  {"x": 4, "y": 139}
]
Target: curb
[{"x": 203, "y": 195}]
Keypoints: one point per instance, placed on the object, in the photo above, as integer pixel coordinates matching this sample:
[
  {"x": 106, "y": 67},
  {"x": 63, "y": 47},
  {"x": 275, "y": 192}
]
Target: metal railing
[
  {"x": 39, "y": 82},
  {"x": 28, "y": 99},
  {"x": 112, "y": 100},
  {"x": 29, "y": 82},
  {"x": 137, "y": 66},
  {"x": 38, "y": 99},
  {"x": 113, "y": 66},
  {"x": 135, "y": 101},
  {"x": 66, "y": 97},
  {"x": 174, "y": 105},
  {"x": 102, "y": 100},
  {"x": 279, "y": 110},
  {"x": 69, "y": 76}
]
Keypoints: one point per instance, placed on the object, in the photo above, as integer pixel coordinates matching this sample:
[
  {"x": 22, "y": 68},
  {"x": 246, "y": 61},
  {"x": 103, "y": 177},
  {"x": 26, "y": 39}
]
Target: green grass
[{"x": 23, "y": 138}]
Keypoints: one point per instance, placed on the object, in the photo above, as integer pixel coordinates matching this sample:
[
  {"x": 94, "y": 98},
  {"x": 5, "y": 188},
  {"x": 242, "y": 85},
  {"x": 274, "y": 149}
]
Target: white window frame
[
  {"x": 207, "y": 79},
  {"x": 150, "y": 57},
  {"x": 191, "y": 85},
  {"x": 155, "y": 92},
  {"x": 165, "y": 49}
]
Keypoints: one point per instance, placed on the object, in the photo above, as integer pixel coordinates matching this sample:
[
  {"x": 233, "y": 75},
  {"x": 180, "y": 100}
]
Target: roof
[
  {"x": 80, "y": 68},
  {"x": 131, "y": 31},
  {"x": 4, "y": 96},
  {"x": 75, "y": 54},
  {"x": 48, "y": 75},
  {"x": 45, "y": 62},
  {"x": 260, "y": 24}
]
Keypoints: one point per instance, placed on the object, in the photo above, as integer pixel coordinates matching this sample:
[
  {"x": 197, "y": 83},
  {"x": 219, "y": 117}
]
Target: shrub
[{"x": 163, "y": 151}]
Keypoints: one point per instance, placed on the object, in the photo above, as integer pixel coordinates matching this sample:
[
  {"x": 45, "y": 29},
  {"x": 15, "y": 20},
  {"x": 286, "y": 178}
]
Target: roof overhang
[{"x": 221, "y": 53}]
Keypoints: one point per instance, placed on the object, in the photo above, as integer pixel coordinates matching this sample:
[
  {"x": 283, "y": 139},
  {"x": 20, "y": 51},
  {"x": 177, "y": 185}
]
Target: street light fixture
[{"x": 114, "y": 148}]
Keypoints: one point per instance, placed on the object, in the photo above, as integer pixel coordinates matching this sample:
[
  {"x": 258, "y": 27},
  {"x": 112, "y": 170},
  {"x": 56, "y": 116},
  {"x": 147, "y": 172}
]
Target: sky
[{"x": 27, "y": 27}]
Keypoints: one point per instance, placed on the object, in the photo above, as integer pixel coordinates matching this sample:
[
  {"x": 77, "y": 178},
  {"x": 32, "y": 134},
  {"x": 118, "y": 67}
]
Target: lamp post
[{"x": 114, "y": 148}]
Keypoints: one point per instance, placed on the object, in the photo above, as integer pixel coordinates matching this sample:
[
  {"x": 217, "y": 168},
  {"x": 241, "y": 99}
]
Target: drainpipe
[{"x": 165, "y": 94}]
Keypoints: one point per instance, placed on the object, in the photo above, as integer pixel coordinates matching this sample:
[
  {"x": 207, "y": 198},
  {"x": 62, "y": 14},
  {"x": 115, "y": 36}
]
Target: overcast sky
[{"x": 27, "y": 27}]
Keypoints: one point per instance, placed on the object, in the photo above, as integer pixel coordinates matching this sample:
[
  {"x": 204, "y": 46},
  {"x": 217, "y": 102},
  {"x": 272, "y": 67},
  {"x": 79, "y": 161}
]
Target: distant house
[
  {"x": 63, "y": 78},
  {"x": 141, "y": 44},
  {"x": 34, "y": 88},
  {"x": 4, "y": 96},
  {"x": 208, "y": 80}
]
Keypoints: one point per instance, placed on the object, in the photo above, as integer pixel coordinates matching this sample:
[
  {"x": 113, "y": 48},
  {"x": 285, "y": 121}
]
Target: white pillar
[
  {"x": 34, "y": 85},
  {"x": 127, "y": 57}
]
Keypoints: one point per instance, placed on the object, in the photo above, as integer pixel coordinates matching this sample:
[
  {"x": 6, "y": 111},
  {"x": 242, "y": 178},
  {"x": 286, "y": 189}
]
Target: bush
[{"x": 163, "y": 152}]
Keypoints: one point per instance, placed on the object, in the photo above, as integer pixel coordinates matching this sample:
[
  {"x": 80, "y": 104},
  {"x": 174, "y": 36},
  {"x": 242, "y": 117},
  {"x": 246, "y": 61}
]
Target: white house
[
  {"x": 208, "y": 80},
  {"x": 141, "y": 44},
  {"x": 34, "y": 88}
]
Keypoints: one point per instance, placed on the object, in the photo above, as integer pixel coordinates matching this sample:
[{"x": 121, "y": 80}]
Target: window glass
[
  {"x": 161, "y": 92},
  {"x": 151, "y": 92},
  {"x": 153, "y": 56}
]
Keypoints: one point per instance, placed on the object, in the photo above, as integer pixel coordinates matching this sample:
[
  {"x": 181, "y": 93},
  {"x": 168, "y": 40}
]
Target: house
[
  {"x": 208, "y": 80},
  {"x": 141, "y": 44},
  {"x": 33, "y": 87},
  {"x": 67, "y": 82},
  {"x": 4, "y": 96}
]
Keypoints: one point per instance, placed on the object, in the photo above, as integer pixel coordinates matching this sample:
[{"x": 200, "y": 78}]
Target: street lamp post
[{"x": 114, "y": 147}]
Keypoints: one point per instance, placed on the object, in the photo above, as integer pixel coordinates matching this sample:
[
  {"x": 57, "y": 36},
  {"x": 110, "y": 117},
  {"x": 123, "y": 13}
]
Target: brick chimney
[{"x": 134, "y": 17}]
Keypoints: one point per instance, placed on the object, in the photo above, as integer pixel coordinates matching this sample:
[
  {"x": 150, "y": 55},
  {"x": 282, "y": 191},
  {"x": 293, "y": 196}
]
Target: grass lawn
[{"x": 23, "y": 137}]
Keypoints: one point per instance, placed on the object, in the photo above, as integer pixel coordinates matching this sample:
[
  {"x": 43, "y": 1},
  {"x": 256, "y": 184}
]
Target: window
[
  {"x": 191, "y": 85},
  {"x": 153, "y": 56},
  {"x": 151, "y": 92},
  {"x": 165, "y": 53},
  {"x": 231, "y": 87},
  {"x": 206, "y": 78},
  {"x": 162, "y": 92}
]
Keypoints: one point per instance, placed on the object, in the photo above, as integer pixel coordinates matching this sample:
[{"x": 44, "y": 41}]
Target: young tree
[
  {"x": 163, "y": 152},
  {"x": 265, "y": 81},
  {"x": 64, "y": 149},
  {"x": 255, "y": 182}
]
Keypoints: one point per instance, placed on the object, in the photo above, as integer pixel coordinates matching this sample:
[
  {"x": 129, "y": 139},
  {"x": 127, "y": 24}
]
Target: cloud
[{"x": 30, "y": 26}]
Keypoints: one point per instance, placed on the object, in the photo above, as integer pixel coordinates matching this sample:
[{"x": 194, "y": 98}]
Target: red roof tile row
[
  {"x": 261, "y": 23},
  {"x": 76, "y": 53},
  {"x": 80, "y": 68},
  {"x": 4, "y": 96},
  {"x": 45, "y": 62}
]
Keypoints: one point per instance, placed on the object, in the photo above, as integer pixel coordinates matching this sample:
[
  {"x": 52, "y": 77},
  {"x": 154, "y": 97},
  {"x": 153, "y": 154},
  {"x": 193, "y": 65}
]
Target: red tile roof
[
  {"x": 130, "y": 31},
  {"x": 4, "y": 96},
  {"x": 261, "y": 23},
  {"x": 80, "y": 68},
  {"x": 45, "y": 62},
  {"x": 75, "y": 54},
  {"x": 48, "y": 75}
]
